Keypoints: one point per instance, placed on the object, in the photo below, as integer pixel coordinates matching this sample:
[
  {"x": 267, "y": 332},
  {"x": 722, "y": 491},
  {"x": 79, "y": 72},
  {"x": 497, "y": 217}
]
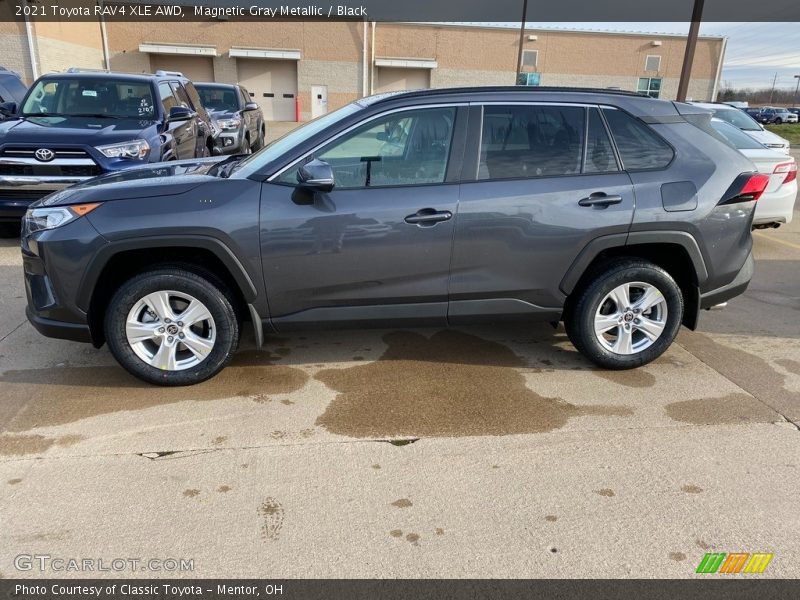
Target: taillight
[
  {"x": 790, "y": 168},
  {"x": 754, "y": 187},
  {"x": 747, "y": 187}
]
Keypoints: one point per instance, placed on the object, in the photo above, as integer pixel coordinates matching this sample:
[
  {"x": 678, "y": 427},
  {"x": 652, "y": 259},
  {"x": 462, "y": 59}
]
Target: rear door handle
[
  {"x": 600, "y": 200},
  {"x": 428, "y": 216}
]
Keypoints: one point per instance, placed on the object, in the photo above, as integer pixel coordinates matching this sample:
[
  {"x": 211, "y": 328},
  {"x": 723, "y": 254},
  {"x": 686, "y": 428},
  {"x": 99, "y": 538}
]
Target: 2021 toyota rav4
[{"x": 619, "y": 214}]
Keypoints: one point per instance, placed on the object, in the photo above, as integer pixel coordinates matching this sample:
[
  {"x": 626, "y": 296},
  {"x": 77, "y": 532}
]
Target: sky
[{"x": 755, "y": 53}]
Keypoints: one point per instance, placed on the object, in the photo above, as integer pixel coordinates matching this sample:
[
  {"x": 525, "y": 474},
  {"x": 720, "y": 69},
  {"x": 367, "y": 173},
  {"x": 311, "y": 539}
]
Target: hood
[
  {"x": 71, "y": 130},
  {"x": 153, "y": 181},
  {"x": 222, "y": 114},
  {"x": 769, "y": 139}
]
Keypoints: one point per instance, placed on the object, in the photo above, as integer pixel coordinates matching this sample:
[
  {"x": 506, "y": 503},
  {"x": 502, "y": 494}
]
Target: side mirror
[
  {"x": 382, "y": 136},
  {"x": 316, "y": 175},
  {"x": 8, "y": 109},
  {"x": 251, "y": 106},
  {"x": 180, "y": 113}
]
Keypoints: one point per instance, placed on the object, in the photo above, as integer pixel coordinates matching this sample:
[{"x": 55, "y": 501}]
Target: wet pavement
[{"x": 492, "y": 451}]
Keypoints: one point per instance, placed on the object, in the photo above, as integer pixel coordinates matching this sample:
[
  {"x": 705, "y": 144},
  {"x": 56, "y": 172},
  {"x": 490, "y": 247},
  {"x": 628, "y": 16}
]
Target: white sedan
[
  {"x": 740, "y": 119},
  {"x": 776, "y": 204}
]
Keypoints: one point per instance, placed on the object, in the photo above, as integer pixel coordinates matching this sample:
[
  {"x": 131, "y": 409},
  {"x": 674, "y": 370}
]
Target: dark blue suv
[{"x": 76, "y": 125}]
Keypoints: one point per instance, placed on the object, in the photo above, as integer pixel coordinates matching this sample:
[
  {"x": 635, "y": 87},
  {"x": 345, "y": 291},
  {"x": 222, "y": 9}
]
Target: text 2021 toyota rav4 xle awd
[{"x": 619, "y": 214}]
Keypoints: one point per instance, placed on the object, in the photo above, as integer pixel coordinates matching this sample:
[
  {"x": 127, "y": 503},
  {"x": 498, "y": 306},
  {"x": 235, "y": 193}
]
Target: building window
[
  {"x": 529, "y": 79},
  {"x": 650, "y": 86},
  {"x": 530, "y": 58},
  {"x": 652, "y": 63}
]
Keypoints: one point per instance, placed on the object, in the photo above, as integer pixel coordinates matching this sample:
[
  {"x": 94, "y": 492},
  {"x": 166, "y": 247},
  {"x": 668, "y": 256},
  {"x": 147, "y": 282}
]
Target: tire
[
  {"x": 246, "y": 147},
  {"x": 778, "y": 121},
  {"x": 140, "y": 300},
  {"x": 206, "y": 151},
  {"x": 259, "y": 140},
  {"x": 595, "y": 305},
  {"x": 10, "y": 230}
]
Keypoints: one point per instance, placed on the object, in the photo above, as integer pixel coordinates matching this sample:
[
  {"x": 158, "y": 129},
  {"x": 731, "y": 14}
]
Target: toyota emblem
[{"x": 44, "y": 155}]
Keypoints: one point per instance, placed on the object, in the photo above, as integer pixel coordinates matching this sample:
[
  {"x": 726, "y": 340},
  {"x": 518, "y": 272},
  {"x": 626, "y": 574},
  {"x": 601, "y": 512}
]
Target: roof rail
[
  {"x": 512, "y": 89},
  {"x": 161, "y": 73},
  {"x": 84, "y": 70}
]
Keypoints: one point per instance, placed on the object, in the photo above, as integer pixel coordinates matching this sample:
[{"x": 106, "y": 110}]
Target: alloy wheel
[
  {"x": 631, "y": 318},
  {"x": 170, "y": 330}
]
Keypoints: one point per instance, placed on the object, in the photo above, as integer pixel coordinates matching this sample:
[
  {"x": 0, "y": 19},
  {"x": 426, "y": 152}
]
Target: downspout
[
  {"x": 372, "y": 62},
  {"x": 719, "y": 69},
  {"x": 364, "y": 72},
  {"x": 31, "y": 48}
]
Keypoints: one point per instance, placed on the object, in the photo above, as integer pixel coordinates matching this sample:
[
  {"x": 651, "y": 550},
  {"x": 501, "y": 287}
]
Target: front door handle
[
  {"x": 429, "y": 216},
  {"x": 600, "y": 200}
]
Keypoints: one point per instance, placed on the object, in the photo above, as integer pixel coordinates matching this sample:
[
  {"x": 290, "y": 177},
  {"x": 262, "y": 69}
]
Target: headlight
[
  {"x": 137, "y": 149},
  {"x": 233, "y": 123},
  {"x": 39, "y": 219}
]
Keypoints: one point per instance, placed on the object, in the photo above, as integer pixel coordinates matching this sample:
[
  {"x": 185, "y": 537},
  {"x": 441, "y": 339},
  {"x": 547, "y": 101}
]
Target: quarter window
[
  {"x": 531, "y": 141},
  {"x": 403, "y": 148},
  {"x": 639, "y": 147}
]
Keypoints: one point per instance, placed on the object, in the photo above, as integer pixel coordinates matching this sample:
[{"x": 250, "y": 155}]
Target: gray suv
[{"x": 619, "y": 214}]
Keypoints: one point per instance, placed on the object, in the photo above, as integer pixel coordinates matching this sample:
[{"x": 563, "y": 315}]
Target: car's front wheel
[
  {"x": 626, "y": 315},
  {"x": 171, "y": 327},
  {"x": 778, "y": 121}
]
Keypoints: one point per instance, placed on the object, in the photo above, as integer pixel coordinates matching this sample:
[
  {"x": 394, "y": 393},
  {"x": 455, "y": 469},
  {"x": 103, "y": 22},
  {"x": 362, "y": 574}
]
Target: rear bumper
[
  {"x": 731, "y": 290},
  {"x": 776, "y": 207}
]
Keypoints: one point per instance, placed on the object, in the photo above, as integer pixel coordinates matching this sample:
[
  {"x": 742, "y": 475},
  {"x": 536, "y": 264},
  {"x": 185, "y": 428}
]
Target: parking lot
[{"x": 493, "y": 451}]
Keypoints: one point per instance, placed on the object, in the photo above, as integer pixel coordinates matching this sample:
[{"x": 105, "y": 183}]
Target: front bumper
[
  {"x": 54, "y": 262},
  {"x": 230, "y": 142},
  {"x": 75, "y": 332}
]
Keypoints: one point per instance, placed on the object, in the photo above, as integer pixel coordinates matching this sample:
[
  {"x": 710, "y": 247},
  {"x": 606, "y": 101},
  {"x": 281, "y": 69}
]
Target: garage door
[
  {"x": 392, "y": 79},
  {"x": 196, "y": 68},
  {"x": 272, "y": 83}
]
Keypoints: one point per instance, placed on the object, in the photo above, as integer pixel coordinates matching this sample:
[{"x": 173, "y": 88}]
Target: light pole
[
  {"x": 691, "y": 44},
  {"x": 794, "y": 100},
  {"x": 521, "y": 40}
]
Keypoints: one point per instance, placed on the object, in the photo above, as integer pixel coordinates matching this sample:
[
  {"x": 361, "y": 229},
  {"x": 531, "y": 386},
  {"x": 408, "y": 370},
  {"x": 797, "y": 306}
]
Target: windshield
[
  {"x": 95, "y": 97},
  {"x": 294, "y": 138},
  {"x": 218, "y": 98},
  {"x": 737, "y": 118},
  {"x": 739, "y": 139}
]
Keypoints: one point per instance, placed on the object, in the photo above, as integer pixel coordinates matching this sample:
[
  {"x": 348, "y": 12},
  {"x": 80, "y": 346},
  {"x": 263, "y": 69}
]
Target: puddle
[
  {"x": 18, "y": 445},
  {"x": 635, "y": 378},
  {"x": 733, "y": 408},
  {"x": 55, "y": 396},
  {"x": 451, "y": 384},
  {"x": 746, "y": 369},
  {"x": 793, "y": 366}
]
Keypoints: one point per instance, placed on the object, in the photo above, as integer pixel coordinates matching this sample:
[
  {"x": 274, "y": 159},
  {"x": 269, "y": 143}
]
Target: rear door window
[
  {"x": 520, "y": 141},
  {"x": 599, "y": 151},
  {"x": 639, "y": 147}
]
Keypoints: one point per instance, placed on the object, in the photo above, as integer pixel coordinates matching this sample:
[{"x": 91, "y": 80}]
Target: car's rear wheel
[
  {"x": 626, "y": 315},
  {"x": 171, "y": 327}
]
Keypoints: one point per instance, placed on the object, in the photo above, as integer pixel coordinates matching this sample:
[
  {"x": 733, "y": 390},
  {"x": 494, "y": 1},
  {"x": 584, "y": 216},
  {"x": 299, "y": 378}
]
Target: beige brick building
[{"x": 327, "y": 64}]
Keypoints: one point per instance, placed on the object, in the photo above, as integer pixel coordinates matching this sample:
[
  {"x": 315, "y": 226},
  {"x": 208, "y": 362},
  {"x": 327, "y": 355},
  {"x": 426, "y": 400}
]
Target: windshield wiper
[
  {"x": 98, "y": 116},
  {"x": 224, "y": 168}
]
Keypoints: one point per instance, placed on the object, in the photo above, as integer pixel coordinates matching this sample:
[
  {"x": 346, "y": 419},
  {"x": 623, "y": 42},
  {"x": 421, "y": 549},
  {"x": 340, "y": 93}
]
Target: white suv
[{"x": 739, "y": 118}]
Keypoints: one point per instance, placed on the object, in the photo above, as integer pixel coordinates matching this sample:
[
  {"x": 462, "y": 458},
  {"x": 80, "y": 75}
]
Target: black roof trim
[{"x": 517, "y": 89}]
